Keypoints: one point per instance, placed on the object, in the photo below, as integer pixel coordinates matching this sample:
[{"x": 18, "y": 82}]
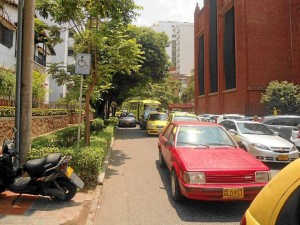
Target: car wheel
[
  {"x": 175, "y": 189},
  {"x": 162, "y": 162}
]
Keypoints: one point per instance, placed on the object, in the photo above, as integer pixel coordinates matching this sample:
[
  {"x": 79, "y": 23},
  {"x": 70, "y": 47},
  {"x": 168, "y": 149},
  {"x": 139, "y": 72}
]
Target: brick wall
[
  {"x": 40, "y": 125},
  {"x": 267, "y": 47}
]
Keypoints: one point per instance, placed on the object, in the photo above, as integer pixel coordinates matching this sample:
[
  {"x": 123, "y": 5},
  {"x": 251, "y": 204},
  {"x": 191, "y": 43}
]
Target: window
[
  {"x": 70, "y": 52},
  {"x": 229, "y": 50},
  {"x": 290, "y": 214},
  {"x": 213, "y": 47},
  {"x": 6, "y": 36},
  {"x": 201, "y": 65},
  {"x": 71, "y": 33}
]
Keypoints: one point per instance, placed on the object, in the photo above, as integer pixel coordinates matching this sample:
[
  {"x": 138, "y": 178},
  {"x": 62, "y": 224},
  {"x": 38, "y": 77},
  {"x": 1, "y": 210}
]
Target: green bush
[
  {"x": 86, "y": 162},
  {"x": 62, "y": 138},
  {"x": 7, "y": 111},
  {"x": 97, "y": 125}
]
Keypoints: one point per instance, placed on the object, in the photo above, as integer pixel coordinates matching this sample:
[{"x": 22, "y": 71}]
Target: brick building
[{"x": 240, "y": 46}]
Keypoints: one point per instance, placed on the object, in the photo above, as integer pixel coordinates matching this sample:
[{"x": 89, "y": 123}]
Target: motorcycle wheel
[{"x": 69, "y": 188}]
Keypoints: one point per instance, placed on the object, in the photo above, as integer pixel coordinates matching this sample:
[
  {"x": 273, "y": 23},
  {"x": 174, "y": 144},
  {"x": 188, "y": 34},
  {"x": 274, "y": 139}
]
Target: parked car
[
  {"x": 205, "y": 163},
  {"x": 213, "y": 118},
  {"x": 229, "y": 116},
  {"x": 278, "y": 202},
  {"x": 156, "y": 122},
  {"x": 143, "y": 122},
  {"x": 260, "y": 141},
  {"x": 282, "y": 124},
  {"x": 127, "y": 120},
  {"x": 182, "y": 116},
  {"x": 295, "y": 136}
]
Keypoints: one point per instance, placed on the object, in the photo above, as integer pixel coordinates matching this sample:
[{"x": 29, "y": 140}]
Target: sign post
[{"x": 82, "y": 67}]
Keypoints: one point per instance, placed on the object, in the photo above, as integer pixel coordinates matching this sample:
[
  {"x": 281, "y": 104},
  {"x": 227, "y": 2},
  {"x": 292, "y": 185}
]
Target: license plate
[
  {"x": 283, "y": 157},
  {"x": 233, "y": 193},
  {"x": 69, "y": 171}
]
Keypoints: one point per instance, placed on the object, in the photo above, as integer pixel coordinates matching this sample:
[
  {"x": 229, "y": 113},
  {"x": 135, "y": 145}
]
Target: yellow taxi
[
  {"x": 278, "y": 203},
  {"x": 156, "y": 122},
  {"x": 182, "y": 116}
]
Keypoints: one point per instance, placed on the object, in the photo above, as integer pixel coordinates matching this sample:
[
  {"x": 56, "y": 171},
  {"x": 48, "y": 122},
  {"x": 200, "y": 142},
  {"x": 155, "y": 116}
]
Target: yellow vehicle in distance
[
  {"x": 156, "y": 122},
  {"x": 138, "y": 107},
  {"x": 279, "y": 201},
  {"x": 182, "y": 116}
]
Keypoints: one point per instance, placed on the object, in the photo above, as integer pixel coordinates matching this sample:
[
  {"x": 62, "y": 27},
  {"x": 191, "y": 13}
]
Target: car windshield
[
  {"x": 162, "y": 117},
  {"x": 185, "y": 118},
  {"x": 254, "y": 128},
  {"x": 203, "y": 136}
]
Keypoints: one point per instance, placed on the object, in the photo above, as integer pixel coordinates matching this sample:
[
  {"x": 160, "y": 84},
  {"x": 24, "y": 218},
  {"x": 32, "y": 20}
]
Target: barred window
[{"x": 6, "y": 36}]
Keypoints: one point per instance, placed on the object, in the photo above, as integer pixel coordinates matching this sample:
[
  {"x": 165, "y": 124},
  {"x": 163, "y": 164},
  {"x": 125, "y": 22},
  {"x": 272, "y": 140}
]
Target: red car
[{"x": 205, "y": 163}]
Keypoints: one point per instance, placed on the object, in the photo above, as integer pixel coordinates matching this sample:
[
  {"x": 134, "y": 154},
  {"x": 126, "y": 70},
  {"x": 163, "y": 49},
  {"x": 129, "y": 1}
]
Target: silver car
[
  {"x": 295, "y": 136},
  {"x": 260, "y": 141}
]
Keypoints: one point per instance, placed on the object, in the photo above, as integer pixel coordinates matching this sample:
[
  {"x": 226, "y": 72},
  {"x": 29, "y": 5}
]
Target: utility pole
[{"x": 26, "y": 79}]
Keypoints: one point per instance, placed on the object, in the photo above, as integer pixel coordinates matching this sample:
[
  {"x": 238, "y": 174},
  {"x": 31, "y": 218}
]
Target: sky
[{"x": 166, "y": 10}]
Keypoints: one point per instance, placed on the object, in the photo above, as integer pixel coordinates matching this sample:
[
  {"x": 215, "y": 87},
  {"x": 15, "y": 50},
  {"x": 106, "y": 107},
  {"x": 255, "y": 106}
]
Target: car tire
[
  {"x": 175, "y": 189},
  {"x": 162, "y": 162}
]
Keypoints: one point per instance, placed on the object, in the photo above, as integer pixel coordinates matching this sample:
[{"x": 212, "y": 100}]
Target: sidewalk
[{"x": 38, "y": 210}]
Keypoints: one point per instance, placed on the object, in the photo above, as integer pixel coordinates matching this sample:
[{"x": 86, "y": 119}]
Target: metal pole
[
  {"x": 18, "y": 77},
  {"x": 80, "y": 108}
]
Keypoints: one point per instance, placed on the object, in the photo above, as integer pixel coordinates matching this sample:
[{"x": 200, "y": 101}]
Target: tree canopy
[{"x": 282, "y": 96}]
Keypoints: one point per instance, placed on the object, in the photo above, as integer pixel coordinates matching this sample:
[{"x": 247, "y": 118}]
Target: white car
[
  {"x": 295, "y": 136},
  {"x": 229, "y": 116},
  {"x": 260, "y": 141}
]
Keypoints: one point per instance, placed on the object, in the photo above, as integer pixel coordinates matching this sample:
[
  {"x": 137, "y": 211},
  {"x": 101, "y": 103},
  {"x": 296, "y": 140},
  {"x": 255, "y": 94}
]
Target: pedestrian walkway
[{"x": 37, "y": 210}]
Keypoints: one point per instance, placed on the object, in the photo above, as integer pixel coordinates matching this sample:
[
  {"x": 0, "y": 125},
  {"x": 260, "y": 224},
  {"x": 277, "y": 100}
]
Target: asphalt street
[{"x": 136, "y": 190}]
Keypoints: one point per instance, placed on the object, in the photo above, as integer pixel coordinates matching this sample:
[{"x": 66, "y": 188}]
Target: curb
[{"x": 98, "y": 190}]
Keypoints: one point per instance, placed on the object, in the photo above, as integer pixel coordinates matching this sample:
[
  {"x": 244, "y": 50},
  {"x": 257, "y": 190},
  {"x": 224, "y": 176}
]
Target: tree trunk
[{"x": 26, "y": 80}]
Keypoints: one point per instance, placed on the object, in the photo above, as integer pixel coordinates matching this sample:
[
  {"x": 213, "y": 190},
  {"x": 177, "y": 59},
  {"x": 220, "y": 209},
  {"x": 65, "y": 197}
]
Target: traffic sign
[{"x": 83, "y": 64}]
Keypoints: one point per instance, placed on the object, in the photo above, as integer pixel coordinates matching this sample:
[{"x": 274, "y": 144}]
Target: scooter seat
[{"x": 36, "y": 167}]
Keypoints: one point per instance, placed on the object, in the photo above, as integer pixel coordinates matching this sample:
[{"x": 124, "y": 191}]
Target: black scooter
[{"x": 48, "y": 176}]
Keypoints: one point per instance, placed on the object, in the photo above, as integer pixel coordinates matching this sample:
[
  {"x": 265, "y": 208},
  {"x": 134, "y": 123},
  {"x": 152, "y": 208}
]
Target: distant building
[
  {"x": 240, "y": 46},
  {"x": 180, "y": 50}
]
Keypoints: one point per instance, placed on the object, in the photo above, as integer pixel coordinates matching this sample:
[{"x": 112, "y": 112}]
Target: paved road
[{"x": 136, "y": 190}]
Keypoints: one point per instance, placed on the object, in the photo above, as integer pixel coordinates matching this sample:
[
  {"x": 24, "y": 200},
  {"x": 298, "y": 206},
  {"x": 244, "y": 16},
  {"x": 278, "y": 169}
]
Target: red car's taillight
[
  {"x": 243, "y": 220},
  {"x": 298, "y": 135}
]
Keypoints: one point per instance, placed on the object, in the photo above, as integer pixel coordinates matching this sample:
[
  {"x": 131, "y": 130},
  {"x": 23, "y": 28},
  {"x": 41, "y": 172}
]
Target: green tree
[
  {"x": 38, "y": 88},
  {"x": 189, "y": 93},
  {"x": 153, "y": 67},
  {"x": 111, "y": 51},
  {"x": 282, "y": 96},
  {"x": 7, "y": 83}
]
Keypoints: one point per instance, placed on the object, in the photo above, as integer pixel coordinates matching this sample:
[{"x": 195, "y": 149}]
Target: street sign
[
  {"x": 83, "y": 64},
  {"x": 113, "y": 104}
]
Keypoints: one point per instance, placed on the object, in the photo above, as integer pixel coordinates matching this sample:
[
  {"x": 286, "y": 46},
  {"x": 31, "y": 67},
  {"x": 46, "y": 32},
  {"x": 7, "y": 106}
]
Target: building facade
[
  {"x": 240, "y": 46},
  {"x": 180, "y": 49}
]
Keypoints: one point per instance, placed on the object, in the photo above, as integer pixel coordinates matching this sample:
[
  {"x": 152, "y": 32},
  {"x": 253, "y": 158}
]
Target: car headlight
[
  {"x": 262, "y": 176},
  {"x": 151, "y": 126},
  {"x": 194, "y": 177},
  {"x": 294, "y": 148},
  {"x": 260, "y": 146}
]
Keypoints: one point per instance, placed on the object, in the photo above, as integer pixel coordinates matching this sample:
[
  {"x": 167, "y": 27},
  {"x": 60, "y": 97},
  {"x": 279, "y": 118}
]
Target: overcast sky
[{"x": 166, "y": 10}]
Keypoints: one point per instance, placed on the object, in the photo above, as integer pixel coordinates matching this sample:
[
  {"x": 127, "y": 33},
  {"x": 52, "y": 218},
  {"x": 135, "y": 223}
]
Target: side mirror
[
  {"x": 232, "y": 131},
  {"x": 169, "y": 143}
]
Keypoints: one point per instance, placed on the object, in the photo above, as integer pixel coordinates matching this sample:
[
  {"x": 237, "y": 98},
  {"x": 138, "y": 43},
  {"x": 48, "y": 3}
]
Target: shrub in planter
[{"x": 97, "y": 125}]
